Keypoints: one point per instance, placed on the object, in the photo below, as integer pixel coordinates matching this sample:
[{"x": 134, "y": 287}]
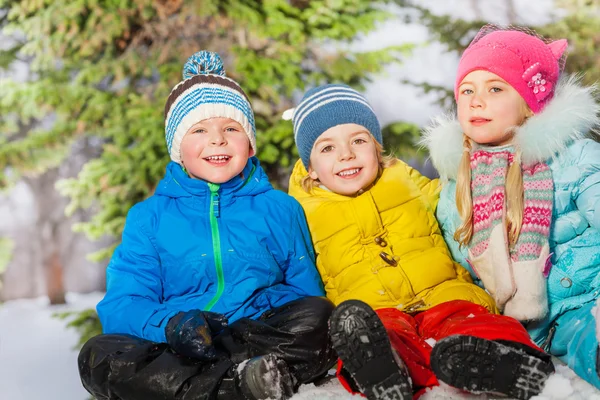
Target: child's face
[
  {"x": 488, "y": 107},
  {"x": 344, "y": 159},
  {"x": 215, "y": 149}
]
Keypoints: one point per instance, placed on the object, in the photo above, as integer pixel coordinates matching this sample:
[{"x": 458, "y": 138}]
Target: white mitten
[
  {"x": 493, "y": 267},
  {"x": 530, "y": 301}
]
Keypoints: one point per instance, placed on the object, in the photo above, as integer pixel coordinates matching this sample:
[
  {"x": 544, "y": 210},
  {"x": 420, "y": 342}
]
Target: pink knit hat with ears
[{"x": 520, "y": 57}]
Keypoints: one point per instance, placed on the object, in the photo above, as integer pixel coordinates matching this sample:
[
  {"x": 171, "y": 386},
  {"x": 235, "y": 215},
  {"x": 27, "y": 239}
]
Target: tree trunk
[
  {"x": 50, "y": 215},
  {"x": 476, "y": 10},
  {"x": 54, "y": 278},
  {"x": 511, "y": 12}
]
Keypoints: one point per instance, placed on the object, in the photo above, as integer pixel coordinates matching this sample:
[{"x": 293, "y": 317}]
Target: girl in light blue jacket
[{"x": 520, "y": 205}]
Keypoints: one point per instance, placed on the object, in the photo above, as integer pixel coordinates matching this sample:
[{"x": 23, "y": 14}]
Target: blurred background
[{"x": 83, "y": 86}]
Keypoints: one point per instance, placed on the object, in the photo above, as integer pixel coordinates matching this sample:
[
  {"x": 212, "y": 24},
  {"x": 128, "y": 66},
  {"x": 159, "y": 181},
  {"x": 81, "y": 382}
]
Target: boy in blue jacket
[{"x": 213, "y": 292}]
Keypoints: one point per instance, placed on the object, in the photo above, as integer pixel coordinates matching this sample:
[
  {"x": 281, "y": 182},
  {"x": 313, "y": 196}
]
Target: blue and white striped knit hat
[
  {"x": 327, "y": 106},
  {"x": 205, "y": 93}
]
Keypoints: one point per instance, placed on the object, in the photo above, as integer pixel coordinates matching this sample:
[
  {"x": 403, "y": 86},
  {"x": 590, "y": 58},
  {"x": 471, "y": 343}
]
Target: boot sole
[
  {"x": 484, "y": 366},
  {"x": 362, "y": 343},
  {"x": 272, "y": 380}
]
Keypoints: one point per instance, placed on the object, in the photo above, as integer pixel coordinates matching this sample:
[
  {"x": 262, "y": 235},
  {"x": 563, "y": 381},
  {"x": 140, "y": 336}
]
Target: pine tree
[
  {"x": 102, "y": 70},
  {"x": 580, "y": 26},
  {"x": 105, "y": 68}
]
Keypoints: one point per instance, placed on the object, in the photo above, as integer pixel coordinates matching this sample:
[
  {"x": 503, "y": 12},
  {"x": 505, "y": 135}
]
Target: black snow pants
[{"x": 124, "y": 367}]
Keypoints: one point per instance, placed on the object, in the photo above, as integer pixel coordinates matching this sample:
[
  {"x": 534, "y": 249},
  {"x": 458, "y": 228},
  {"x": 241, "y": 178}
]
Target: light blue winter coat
[
  {"x": 239, "y": 249},
  {"x": 556, "y": 136}
]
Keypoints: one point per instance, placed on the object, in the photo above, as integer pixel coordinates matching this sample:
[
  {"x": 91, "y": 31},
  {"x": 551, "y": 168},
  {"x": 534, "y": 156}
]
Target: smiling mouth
[
  {"x": 220, "y": 159},
  {"x": 349, "y": 173}
]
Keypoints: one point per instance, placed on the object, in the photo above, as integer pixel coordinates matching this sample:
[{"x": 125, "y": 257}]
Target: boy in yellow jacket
[{"x": 379, "y": 247}]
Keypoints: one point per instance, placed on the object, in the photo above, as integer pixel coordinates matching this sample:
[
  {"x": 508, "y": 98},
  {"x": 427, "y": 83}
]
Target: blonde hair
[
  {"x": 385, "y": 161},
  {"x": 514, "y": 192}
]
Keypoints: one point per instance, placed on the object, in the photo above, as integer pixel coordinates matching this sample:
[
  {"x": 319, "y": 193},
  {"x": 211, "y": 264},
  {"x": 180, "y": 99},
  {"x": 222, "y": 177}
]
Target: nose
[
  {"x": 345, "y": 153},
  {"x": 217, "y": 139},
  {"x": 477, "y": 101}
]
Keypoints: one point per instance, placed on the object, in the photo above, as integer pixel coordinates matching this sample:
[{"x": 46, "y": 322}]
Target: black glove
[{"x": 189, "y": 333}]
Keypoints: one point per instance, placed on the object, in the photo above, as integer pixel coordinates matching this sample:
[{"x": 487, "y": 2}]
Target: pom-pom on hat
[
  {"x": 205, "y": 93},
  {"x": 527, "y": 62}
]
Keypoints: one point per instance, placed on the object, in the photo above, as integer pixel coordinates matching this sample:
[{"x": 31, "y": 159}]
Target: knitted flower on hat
[{"x": 205, "y": 93}]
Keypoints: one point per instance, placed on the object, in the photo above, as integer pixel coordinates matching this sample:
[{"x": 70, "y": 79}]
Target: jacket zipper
[{"x": 216, "y": 239}]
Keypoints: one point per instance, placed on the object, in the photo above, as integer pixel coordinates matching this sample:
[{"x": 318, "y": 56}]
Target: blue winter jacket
[
  {"x": 556, "y": 137},
  {"x": 239, "y": 248}
]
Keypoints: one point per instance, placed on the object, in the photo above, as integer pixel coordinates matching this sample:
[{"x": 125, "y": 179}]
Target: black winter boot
[
  {"x": 260, "y": 378},
  {"x": 362, "y": 343},
  {"x": 499, "y": 367}
]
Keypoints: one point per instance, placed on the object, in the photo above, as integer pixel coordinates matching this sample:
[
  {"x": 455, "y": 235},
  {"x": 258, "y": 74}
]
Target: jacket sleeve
[
  {"x": 429, "y": 187},
  {"x": 587, "y": 192},
  {"x": 448, "y": 219},
  {"x": 133, "y": 301},
  {"x": 301, "y": 272}
]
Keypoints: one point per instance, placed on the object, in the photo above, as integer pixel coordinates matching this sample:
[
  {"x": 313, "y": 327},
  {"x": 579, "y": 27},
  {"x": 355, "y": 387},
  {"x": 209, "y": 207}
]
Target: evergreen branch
[
  {"x": 445, "y": 95},
  {"x": 86, "y": 323}
]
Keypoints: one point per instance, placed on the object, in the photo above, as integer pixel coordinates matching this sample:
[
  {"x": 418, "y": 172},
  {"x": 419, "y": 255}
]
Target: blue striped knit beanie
[
  {"x": 327, "y": 106},
  {"x": 205, "y": 93}
]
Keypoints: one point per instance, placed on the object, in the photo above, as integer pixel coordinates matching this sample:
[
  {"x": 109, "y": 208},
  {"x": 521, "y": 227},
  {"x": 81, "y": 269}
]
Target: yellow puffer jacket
[{"x": 384, "y": 247}]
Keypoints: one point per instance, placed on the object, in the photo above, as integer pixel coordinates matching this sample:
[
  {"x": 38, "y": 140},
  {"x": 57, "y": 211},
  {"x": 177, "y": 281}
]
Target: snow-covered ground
[{"x": 38, "y": 362}]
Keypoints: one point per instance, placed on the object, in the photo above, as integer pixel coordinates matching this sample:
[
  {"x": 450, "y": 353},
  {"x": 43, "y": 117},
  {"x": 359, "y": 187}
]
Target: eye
[
  {"x": 359, "y": 141},
  {"x": 327, "y": 149},
  {"x": 495, "y": 89},
  {"x": 231, "y": 129},
  {"x": 199, "y": 130},
  {"x": 467, "y": 91}
]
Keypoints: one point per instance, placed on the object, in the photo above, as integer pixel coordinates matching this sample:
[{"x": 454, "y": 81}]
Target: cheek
[
  {"x": 241, "y": 142},
  {"x": 319, "y": 167},
  {"x": 507, "y": 115},
  {"x": 190, "y": 146},
  {"x": 462, "y": 114},
  {"x": 371, "y": 158},
  {"x": 185, "y": 149}
]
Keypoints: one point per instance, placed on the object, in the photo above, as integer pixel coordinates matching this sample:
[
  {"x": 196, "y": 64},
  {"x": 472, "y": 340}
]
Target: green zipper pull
[{"x": 214, "y": 198}]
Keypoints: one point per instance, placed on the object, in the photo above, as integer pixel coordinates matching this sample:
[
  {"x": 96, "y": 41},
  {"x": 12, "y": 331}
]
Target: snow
[{"x": 38, "y": 360}]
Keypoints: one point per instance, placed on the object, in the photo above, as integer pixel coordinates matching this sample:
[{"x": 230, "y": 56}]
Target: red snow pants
[{"x": 408, "y": 334}]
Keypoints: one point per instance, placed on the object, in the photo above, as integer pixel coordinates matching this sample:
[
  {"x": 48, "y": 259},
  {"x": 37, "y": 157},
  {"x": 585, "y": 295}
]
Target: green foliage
[
  {"x": 86, "y": 323},
  {"x": 454, "y": 33},
  {"x": 104, "y": 68},
  {"x": 581, "y": 27},
  {"x": 444, "y": 94},
  {"x": 401, "y": 138},
  {"x": 7, "y": 246}
]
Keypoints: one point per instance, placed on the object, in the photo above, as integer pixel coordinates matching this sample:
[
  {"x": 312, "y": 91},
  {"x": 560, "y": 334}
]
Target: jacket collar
[
  {"x": 570, "y": 115},
  {"x": 389, "y": 181},
  {"x": 177, "y": 183}
]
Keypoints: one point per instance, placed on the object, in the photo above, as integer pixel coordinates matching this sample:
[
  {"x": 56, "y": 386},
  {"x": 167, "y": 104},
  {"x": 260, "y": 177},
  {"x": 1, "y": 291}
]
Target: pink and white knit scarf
[{"x": 489, "y": 169}]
